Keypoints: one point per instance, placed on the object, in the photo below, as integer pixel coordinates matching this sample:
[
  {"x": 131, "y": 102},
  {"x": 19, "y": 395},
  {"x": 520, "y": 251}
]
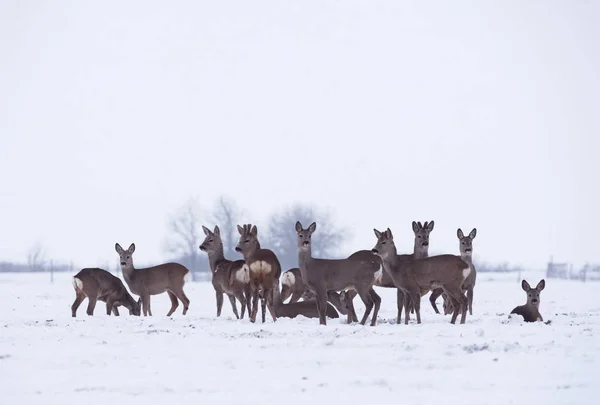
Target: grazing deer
[
  {"x": 98, "y": 284},
  {"x": 265, "y": 270},
  {"x": 293, "y": 286},
  {"x": 531, "y": 310},
  {"x": 323, "y": 275},
  {"x": 228, "y": 277},
  {"x": 154, "y": 280},
  {"x": 416, "y": 275},
  {"x": 465, "y": 246}
]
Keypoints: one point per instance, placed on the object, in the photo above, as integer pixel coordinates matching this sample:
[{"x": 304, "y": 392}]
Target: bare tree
[
  {"x": 184, "y": 237},
  {"x": 283, "y": 239},
  {"x": 226, "y": 215},
  {"x": 35, "y": 257}
]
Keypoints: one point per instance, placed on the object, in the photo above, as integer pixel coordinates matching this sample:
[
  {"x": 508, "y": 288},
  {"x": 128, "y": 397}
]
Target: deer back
[
  {"x": 156, "y": 279},
  {"x": 440, "y": 269}
]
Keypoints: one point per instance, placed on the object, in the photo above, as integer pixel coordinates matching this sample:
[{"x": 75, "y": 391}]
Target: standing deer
[
  {"x": 228, "y": 277},
  {"x": 531, "y": 310},
  {"x": 98, "y": 284},
  {"x": 465, "y": 245},
  {"x": 154, "y": 280},
  {"x": 323, "y": 275},
  {"x": 265, "y": 270},
  {"x": 415, "y": 275}
]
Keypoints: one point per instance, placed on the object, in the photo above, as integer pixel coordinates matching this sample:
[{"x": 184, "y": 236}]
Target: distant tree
[
  {"x": 35, "y": 258},
  {"x": 226, "y": 215},
  {"x": 184, "y": 237},
  {"x": 282, "y": 238}
]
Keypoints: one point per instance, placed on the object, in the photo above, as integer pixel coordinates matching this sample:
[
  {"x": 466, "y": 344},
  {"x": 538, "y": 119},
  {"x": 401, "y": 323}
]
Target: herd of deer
[{"x": 315, "y": 289}]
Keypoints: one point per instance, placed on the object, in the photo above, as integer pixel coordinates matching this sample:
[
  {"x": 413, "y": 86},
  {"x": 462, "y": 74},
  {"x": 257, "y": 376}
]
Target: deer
[
  {"x": 264, "y": 267},
  {"x": 154, "y": 280},
  {"x": 98, "y": 284},
  {"x": 323, "y": 275},
  {"x": 228, "y": 277},
  {"x": 307, "y": 307},
  {"x": 465, "y": 246},
  {"x": 420, "y": 250},
  {"x": 293, "y": 287},
  {"x": 414, "y": 276},
  {"x": 531, "y": 310}
]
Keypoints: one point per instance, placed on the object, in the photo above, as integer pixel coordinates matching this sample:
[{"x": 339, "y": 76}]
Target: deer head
[
  {"x": 533, "y": 294},
  {"x": 126, "y": 256},
  {"x": 385, "y": 243},
  {"x": 212, "y": 242},
  {"x": 466, "y": 242},
  {"x": 422, "y": 233},
  {"x": 248, "y": 239},
  {"x": 304, "y": 235}
]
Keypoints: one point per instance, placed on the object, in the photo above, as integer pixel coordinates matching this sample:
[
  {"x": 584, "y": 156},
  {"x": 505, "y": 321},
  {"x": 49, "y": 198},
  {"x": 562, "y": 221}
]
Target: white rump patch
[
  {"x": 466, "y": 272},
  {"x": 288, "y": 279},
  {"x": 243, "y": 274},
  {"x": 378, "y": 275},
  {"x": 260, "y": 267},
  {"x": 77, "y": 283}
]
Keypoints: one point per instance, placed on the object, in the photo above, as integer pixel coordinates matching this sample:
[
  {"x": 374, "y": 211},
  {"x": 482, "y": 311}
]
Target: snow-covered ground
[{"x": 48, "y": 357}]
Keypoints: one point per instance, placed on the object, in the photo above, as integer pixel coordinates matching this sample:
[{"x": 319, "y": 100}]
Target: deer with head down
[
  {"x": 228, "y": 277},
  {"x": 264, "y": 267},
  {"x": 167, "y": 277},
  {"x": 417, "y": 275},
  {"x": 98, "y": 284}
]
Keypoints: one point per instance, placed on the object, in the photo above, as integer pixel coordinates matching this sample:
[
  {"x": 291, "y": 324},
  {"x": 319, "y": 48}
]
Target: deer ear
[
  {"x": 473, "y": 233},
  {"x": 298, "y": 227},
  {"x": 118, "y": 248},
  {"x": 388, "y": 233},
  {"x": 253, "y": 230},
  {"x": 240, "y": 230},
  {"x": 217, "y": 231},
  {"x": 459, "y": 233},
  {"x": 377, "y": 233},
  {"x": 206, "y": 230},
  {"x": 430, "y": 226},
  {"x": 541, "y": 285},
  {"x": 312, "y": 227},
  {"x": 131, "y": 248},
  {"x": 525, "y": 286},
  {"x": 415, "y": 227}
]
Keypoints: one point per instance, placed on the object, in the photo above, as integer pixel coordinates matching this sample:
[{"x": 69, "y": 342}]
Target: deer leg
[
  {"x": 219, "y": 295},
  {"x": 179, "y": 293},
  {"x": 400, "y": 305},
  {"x": 248, "y": 296},
  {"x": 322, "y": 306},
  {"x": 91, "y": 304},
  {"x": 240, "y": 297},
  {"x": 146, "y": 304},
  {"x": 416, "y": 301},
  {"x": 254, "y": 304},
  {"x": 470, "y": 299},
  {"x": 234, "y": 306},
  {"x": 115, "y": 311},
  {"x": 79, "y": 297},
  {"x": 174, "y": 302},
  {"x": 407, "y": 300},
  {"x": 459, "y": 301},
  {"x": 270, "y": 305},
  {"x": 435, "y": 293},
  {"x": 368, "y": 301},
  {"x": 377, "y": 304},
  {"x": 109, "y": 306}
]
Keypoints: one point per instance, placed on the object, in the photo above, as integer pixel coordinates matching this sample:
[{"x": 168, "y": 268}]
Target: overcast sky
[{"x": 472, "y": 114}]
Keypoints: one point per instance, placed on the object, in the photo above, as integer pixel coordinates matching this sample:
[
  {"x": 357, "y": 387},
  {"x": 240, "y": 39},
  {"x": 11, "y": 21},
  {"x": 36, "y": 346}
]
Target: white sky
[{"x": 473, "y": 114}]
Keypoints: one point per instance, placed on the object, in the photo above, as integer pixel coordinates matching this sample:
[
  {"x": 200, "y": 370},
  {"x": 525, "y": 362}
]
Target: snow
[{"x": 48, "y": 357}]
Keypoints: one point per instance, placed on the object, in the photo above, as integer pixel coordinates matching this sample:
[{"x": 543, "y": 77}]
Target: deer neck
[
  {"x": 391, "y": 260},
  {"x": 467, "y": 259},
  {"x": 216, "y": 257},
  {"x": 248, "y": 256},
  {"x": 128, "y": 272},
  {"x": 304, "y": 259},
  {"x": 420, "y": 251}
]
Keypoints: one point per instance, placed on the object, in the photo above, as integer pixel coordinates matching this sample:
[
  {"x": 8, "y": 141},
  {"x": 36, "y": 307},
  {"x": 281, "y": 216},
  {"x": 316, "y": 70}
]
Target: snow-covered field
[{"x": 48, "y": 357}]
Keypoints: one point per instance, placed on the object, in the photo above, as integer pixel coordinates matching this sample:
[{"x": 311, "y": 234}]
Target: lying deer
[
  {"x": 323, "y": 275},
  {"x": 465, "y": 246},
  {"x": 293, "y": 286},
  {"x": 416, "y": 275},
  {"x": 228, "y": 277},
  {"x": 265, "y": 270},
  {"x": 98, "y": 284},
  {"x": 307, "y": 307},
  {"x": 154, "y": 280},
  {"x": 531, "y": 310}
]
